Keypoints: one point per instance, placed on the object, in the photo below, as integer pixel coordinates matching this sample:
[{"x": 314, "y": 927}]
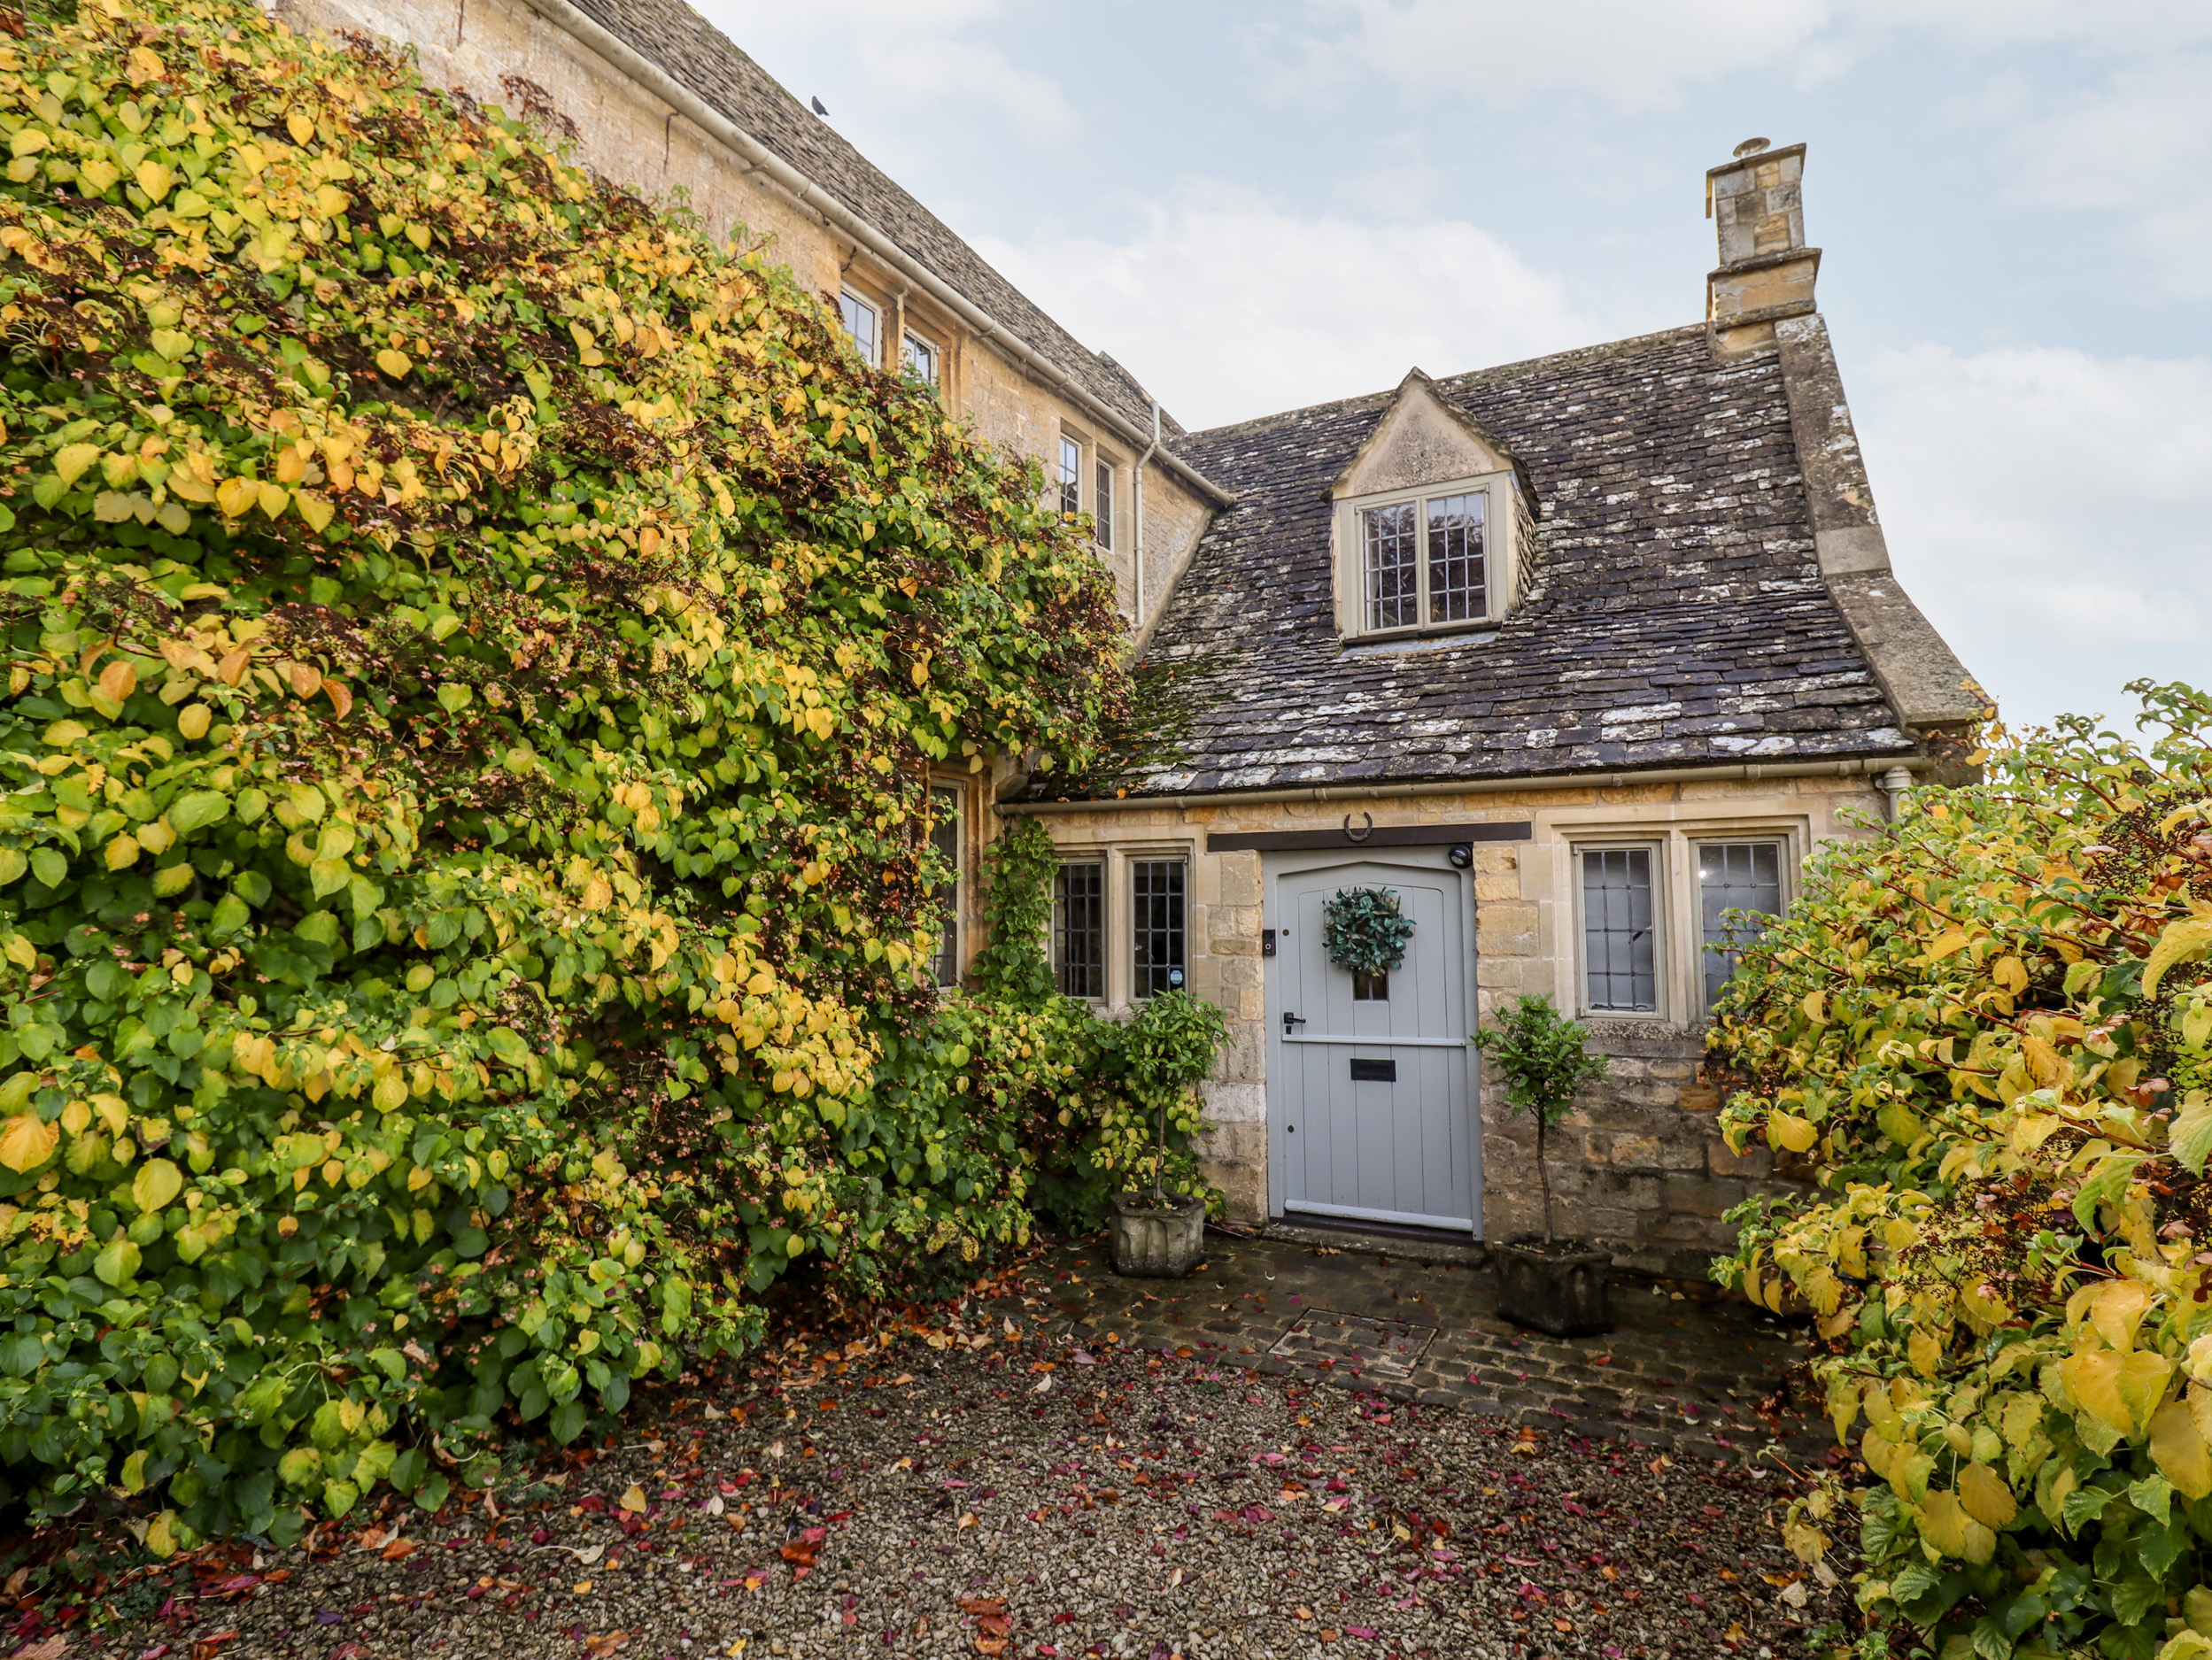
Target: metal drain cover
[{"x": 1352, "y": 1343}]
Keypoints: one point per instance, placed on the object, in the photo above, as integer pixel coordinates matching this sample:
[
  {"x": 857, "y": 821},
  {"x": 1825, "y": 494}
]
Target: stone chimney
[{"x": 1766, "y": 272}]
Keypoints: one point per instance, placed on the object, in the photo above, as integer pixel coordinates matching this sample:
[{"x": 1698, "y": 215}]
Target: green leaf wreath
[{"x": 1364, "y": 929}]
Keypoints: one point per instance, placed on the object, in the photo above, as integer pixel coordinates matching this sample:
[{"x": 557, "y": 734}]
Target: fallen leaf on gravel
[
  {"x": 982, "y": 1605},
  {"x": 582, "y": 1588},
  {"x": 634, "y": 1500},
  {"x": 969, "y": 1520},
  {"x": 607, "y": 1643},
  {"x": 398, "y": 1549},
  {"x": 48, "y": 1648}
]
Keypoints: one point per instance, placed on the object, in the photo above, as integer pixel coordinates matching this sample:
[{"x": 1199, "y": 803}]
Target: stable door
[{"x": 1372, "y": 1081}]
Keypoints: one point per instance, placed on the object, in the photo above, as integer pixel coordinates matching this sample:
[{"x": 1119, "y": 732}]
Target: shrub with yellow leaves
[
  {"x": 1989, "y": 1031},
  {"x": 475, "y": 649}
]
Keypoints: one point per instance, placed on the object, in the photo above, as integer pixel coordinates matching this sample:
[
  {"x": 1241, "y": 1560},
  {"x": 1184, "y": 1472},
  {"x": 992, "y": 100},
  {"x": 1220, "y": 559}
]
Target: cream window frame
[
  {"x": 1501, "y": 550},
  {"x": 1665, "y": 885}
]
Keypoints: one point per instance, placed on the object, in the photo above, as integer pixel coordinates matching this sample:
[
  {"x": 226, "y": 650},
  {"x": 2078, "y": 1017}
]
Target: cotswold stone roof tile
[
  {"x": 699, "y": 56},
  {"x": 1679, "y": 615}
]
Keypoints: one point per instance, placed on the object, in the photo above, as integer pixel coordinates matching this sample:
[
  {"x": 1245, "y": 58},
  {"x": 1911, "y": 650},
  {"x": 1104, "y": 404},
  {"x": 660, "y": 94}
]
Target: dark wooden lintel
[{"x": 1357, "y": 835}]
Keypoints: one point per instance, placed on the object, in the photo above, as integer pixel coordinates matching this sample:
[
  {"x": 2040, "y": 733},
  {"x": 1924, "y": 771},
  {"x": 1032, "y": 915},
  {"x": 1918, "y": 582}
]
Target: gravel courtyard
[{"x": 1001, "y": 1487}]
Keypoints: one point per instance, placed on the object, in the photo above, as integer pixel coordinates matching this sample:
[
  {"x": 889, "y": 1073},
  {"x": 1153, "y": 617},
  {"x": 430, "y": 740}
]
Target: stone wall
[
  {"x": 1639, "y": 1164},
  {"x": 489, "y": 48}
]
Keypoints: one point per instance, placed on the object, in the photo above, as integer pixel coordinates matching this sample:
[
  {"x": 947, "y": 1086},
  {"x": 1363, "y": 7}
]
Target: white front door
[{"x": 1371, "y": 1081}]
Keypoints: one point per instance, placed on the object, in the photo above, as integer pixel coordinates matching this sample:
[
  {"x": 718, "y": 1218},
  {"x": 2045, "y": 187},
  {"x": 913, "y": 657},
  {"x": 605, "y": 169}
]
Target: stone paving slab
[{"x": 1697, "y": 1376}]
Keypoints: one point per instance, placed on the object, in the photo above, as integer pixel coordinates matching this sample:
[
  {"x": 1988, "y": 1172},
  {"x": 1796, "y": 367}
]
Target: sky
[{"x": 1259, "y": 206}]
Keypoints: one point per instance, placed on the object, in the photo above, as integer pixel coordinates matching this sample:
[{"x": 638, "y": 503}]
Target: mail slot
[{"x": 1375, "y": 1071}]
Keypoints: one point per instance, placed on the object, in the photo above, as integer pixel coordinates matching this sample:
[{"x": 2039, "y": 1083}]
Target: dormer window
[
  {"x": 1425, "y": 561},
  {"x": 1430, "y": 517}
]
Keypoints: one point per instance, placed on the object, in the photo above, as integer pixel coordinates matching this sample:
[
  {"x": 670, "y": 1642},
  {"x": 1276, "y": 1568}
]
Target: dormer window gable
[{"x": 1431, "y": 523}]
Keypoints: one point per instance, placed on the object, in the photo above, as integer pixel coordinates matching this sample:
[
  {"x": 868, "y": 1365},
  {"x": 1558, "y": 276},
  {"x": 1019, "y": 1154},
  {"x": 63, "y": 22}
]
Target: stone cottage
[{"x": 1572, "y": 656}]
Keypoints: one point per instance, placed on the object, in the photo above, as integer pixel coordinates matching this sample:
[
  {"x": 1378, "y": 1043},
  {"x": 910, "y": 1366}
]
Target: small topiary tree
[
  {"x": 1541, "y": 1054},
  {"x": 1171, "y": 1048}
]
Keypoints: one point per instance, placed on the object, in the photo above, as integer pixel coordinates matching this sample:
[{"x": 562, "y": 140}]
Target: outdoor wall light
[{"x": 1462, "y": 855}]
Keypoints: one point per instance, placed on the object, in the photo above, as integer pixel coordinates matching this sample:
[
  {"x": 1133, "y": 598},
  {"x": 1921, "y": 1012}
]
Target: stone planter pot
[
  {"x": 1154, "y": 1244},
  {"x": 1566, "y": 1291}
]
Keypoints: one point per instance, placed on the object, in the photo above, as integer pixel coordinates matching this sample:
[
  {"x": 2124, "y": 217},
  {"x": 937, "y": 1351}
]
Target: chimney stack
[{"x": 1766, "y": 272}]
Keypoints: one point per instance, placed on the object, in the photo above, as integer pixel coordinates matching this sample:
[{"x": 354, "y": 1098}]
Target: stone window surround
[
  {"x": 900, "y": 311},
  {"x": 1678, "y": 954},
  {"x": 1095, "y": 455},
  {"x": 1120, "y": 966},
  {"x": 1501, "y": 550},
  {"x": 965, "y": 923}
]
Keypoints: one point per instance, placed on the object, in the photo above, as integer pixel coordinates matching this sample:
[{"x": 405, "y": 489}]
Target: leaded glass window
[
  {"x": 1078, "y": 929},
  {"x": 1734, "y": 876},
  {"x": 1458, "y": 591},
  {"x": 1155, "y": 904},
  {"x": 1393, "y": 566},
  {"x": 1619, "y": 958}
]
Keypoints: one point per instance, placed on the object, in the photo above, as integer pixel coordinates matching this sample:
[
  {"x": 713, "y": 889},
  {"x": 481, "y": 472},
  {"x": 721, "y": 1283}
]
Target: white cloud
[
  {"x": 2051, "y": 512},
  {"x": 872, "y": 60},
  {"x": 1229, "y": 305},
  {"x": 1637, "y": 55},
  {"x": 2139, "y": 147}
]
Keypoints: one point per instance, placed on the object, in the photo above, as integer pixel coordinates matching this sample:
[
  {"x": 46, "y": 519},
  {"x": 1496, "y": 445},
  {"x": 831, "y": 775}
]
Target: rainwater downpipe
[
  {"x": 1894, "y": 785},
  {"x": 1138, "y": 558}
]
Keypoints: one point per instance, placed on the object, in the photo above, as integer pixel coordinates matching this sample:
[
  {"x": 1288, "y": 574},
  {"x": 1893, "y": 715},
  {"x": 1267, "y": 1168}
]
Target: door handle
[{"x": 1290, "y": 1020}]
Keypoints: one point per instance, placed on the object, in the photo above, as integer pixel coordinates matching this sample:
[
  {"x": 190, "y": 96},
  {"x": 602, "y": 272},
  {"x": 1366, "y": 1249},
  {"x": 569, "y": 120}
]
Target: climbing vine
[
  {"x": 1989, "y": 1031},
  {"x": 476, "y": 648}
]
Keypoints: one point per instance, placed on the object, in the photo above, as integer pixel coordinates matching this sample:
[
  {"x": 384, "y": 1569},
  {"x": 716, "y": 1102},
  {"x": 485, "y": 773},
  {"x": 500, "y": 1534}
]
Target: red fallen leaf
[
  {"x": 1064, "y": 1619},
  {"x": 208, "y": 1647},
  {"x": 1359, "y": 1631},
  {"x": 983, "y": 1605},
  {"x": 593, "y": 1503},
  {"x": 801, "y": 1550},
  {"x": 399, "y": 1549},
  {"x": 996, "y": 1624},
  {"x": 237, "y": 1583}
]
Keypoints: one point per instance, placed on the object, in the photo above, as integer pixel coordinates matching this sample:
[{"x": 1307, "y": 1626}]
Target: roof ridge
[{"x": 1465, "y": 377}]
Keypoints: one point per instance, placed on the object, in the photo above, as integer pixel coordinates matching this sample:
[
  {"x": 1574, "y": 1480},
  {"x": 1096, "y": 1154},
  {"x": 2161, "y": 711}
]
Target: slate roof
[
  {"x": 1680, "y": 617},
  {"x": 704, "y": 59}
]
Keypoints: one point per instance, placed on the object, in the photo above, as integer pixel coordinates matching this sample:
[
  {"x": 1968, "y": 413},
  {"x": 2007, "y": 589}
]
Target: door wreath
[{"x": 1363, "y": 931}]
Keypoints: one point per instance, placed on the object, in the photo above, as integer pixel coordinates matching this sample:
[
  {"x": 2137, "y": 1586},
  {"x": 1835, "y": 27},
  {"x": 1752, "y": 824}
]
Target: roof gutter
[
  {"x": 1744, "y": 772},
  {"x": 807, "y": 193}
]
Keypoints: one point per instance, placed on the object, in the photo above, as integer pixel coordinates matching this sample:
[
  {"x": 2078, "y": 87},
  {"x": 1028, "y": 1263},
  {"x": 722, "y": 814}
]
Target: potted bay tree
[
  {"x": 1169, "y": 1050},
  {"x": 1562, "y": 1287}
]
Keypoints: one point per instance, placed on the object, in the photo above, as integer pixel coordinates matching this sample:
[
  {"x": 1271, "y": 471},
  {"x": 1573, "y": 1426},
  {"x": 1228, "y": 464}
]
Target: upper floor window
[
  {"x": 922, "y": 358},
  {"x": 860, "y": 322},
  {"x": 1424, "y": 560},
  {"x": 1071, "y": 477}
]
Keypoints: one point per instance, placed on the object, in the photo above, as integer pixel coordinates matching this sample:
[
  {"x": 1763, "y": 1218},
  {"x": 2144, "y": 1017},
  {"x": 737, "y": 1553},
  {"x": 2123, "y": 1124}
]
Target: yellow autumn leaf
[
  {"x": 1985, "y": 1496},
  {"x": 598, "y": 893},
  {"x": 394, "y": 363},
  {"x": 28, "y": 1141},
  {"x": 157, "y": 1182},
  {"x": 300, "y": 125},
  {"x": 1924, "y": 1349},
  {"x": 71, "y": 460},
  {"x": 1945, "y": 1523},
  {"x": 272, "y": 499},
  {"x": 315, "y": 509},
  {"x": 97, "y": 176},
  {"x": 154, "y": 178},
  {"x": 634, "y": 1500},
  {"x": 2180, "y": 940},
  {"x": 122, "y": 852},
  {"x": 192, "y": 720},
  {"x": 237, "y": 496},
  {"x": 2178, "y": 1450},
  {"x": 2119, "y": 1391},
  {"x": 2117, "y": 1307},
  {"x": 118, "y": 680},
  {"x": 1788, "y": 1132}
]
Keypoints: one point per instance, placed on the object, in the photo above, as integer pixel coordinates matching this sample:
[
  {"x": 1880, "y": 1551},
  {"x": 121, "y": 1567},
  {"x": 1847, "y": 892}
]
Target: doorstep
[{"x": 1381, "y": 1239}]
